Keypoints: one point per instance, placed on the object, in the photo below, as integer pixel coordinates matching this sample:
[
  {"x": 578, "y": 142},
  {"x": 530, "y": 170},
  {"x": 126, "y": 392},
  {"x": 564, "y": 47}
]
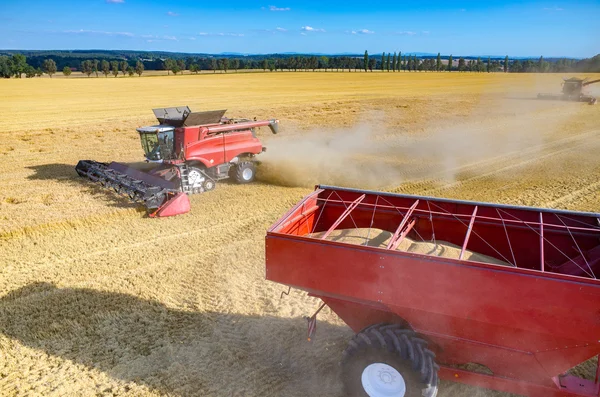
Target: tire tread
[{"x": 401, "y": 341}]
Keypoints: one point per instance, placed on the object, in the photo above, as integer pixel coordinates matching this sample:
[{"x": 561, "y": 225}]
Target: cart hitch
[{"x": 312, "y": 322}]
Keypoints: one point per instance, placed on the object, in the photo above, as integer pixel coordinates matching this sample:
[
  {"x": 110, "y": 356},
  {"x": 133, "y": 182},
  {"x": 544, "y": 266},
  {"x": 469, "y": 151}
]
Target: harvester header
[{"x": 192, "y": 150}]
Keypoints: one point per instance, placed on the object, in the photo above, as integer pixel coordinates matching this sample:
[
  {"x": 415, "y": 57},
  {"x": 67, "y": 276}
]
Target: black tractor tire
[
  {"x": 397, "y": 347},
  {"x": 244, "y": 172}
]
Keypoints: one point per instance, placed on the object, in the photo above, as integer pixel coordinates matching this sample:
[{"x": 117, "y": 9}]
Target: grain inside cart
[{"x": 525, "y": 319}]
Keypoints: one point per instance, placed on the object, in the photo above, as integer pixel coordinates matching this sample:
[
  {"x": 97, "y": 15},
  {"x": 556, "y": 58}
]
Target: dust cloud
[
  {"x": 338, "y": 157},
  {"x": 371, "y": 155},
  {"x": 594, "y": 90}
]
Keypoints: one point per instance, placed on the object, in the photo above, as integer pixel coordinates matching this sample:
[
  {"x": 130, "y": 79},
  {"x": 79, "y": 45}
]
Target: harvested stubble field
[{"x": 97, "y": 299}]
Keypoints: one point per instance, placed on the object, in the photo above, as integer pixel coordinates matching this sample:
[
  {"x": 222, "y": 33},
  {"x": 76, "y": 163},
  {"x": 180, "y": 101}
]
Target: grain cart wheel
[
  {"x": 389, "y": 361},
  {"x": 244, "y": 172}
]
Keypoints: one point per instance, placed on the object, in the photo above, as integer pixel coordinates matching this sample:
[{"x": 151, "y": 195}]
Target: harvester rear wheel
[
  {"x": 244, "y": 171},
  {"x": 389, "y": 360}
]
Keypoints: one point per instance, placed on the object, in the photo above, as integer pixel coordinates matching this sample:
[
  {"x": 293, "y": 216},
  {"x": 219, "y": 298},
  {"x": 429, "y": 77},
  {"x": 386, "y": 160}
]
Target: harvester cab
[
  {"x": 572, "y": 86},
  {"x": 193, "y": 150},
  {"x": 157, "y": 142}
]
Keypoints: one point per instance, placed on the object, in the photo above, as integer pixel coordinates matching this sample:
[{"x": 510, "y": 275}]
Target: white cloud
[
  {"x": 274, "y": 8},
  {"x": 553, "y": 9},
  {"x": 311, "y": 29},
  {"x": 115, "y": 1},
  {"x": 407, "y": 33},
  {"x": 363, "y": 31},
  {"x": 271, "y": 31},
  {"x": 221, "y": 34},
  {"x": 154, "y": 38},
  {"x": 172, "y": 14},
  {"x": 303, "y": 34},
  {"x": 98, "y": 32},
  {"x": 425, "y": 32}
]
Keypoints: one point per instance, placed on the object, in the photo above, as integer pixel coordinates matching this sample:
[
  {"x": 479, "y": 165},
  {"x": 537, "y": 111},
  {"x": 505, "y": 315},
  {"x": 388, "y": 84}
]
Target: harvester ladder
[{"x": 185, "y": 180}]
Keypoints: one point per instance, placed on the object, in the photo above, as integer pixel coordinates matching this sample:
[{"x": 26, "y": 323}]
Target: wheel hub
[
  {"x": 247, "y": 174},
  {"x": 195, "y": 178},
  {"x": 382, "y": 380}
]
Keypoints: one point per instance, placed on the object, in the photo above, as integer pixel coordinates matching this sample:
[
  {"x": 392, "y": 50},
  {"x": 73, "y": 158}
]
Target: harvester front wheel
[
  {"x": 389, "y": 360},
  {"x": 209, "y": 185},
  {"x": 244, "y": 172}
]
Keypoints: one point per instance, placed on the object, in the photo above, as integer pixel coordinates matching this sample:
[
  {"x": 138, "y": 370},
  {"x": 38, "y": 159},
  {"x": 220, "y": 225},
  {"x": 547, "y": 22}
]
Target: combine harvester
[
  {"x": 573, "y": 89},
  {"x": 505, "y": 298},
  {"x": 193, "y": 151}
]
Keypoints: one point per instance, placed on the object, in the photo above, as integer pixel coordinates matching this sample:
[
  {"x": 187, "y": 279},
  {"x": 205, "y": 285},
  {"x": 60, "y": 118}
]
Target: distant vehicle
[{"x": 574, "y": 89}]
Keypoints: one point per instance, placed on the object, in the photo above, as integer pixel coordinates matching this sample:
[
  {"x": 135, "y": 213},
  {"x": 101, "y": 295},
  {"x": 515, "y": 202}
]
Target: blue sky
[{"x": 484, "y": 27}]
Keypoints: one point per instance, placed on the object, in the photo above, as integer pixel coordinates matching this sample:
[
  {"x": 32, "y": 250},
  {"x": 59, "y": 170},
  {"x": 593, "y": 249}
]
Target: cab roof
[{"x": 155, "y": 128}]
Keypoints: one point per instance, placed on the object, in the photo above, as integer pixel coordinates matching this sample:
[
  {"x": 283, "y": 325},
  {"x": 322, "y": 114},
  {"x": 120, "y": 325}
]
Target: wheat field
[{"x": 96, "y": 299}]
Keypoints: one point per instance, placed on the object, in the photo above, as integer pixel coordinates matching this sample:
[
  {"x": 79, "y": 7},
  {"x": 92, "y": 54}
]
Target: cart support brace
[
  {"x": 312, "y": 322},
  {"x": 398, "y": 235},
  {"x": 542, "y": 242},
  {"x": 350, "y": 208},
  {"x": 464, "y": 247}
]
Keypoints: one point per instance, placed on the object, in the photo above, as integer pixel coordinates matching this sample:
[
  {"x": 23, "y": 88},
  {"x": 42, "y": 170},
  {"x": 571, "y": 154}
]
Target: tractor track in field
[
  {"x": 572, "y": 196},
  {"x": 501, "y": 170},
  {"x": 418, "y": 184},
  {"x": 59, "y": 264},
  {"x": 154, "y": 240},
  {"x": 497, "y": 159}
]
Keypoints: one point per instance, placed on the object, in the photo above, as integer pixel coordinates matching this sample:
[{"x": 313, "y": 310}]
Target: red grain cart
[{"x": 418, "y": 316}]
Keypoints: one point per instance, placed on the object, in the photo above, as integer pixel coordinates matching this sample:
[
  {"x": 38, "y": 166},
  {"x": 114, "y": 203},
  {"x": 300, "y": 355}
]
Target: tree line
[
  {"x": 89, "y": 67},
  {"x": 17, "y": 65},
  {"x": 411, "y": 63}
]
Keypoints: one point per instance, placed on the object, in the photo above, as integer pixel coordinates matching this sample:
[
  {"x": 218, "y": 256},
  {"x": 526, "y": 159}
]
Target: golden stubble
[{"x": 98, "y": 299}]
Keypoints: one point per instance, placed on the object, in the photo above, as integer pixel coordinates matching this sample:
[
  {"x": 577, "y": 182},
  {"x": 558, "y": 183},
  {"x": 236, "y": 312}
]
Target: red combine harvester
[
  {"x": 517, "y": 323},
  {"x": 574, "y": 89},
  {"x": 193, "y": 151}
]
